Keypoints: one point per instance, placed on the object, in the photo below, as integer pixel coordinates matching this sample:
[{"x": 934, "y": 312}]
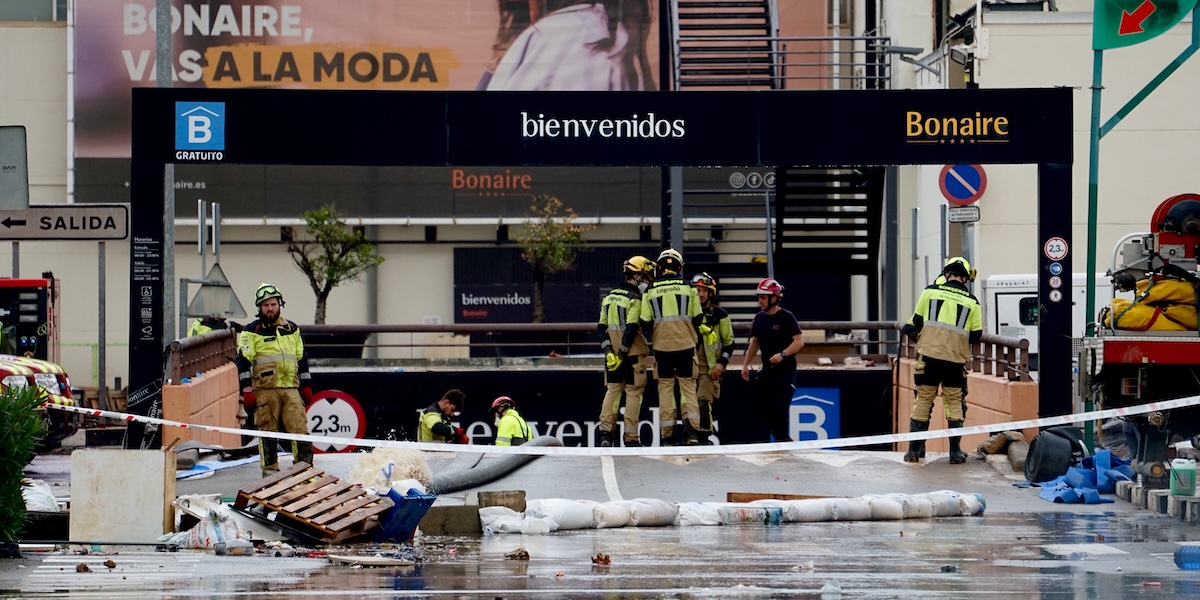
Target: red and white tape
[{"x": 846, "y": 442}]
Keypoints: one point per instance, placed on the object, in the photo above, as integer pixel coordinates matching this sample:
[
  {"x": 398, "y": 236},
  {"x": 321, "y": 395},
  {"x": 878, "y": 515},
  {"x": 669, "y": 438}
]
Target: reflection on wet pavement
[{"x": 1052, "y": 555}]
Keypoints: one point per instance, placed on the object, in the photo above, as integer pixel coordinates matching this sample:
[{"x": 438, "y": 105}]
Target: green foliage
[
  {"x": 550, "y": 238},
  {"x": 330, "y": 253},
  {"x": 20, "y": 428}
]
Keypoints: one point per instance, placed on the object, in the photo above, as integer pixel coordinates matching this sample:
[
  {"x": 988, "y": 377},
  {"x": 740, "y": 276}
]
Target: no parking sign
[
  {"x": 962, "y": 185},
  {"x": 335, "y": 414}
]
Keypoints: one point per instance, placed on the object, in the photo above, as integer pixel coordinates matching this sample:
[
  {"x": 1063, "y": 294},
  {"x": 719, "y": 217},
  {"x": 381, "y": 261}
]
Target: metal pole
[
  {"x": 164, "y": 66},
  {"x": 676, "y": 239},
  {"x": 216, "y": 234},
  {"x": 16, "y": 259},
  {"x": 1093, "y": 202},
  {"x": 201, "y": 234},
  {"x": 770, "y": 237},
  {"x": 102, "y": 338}
]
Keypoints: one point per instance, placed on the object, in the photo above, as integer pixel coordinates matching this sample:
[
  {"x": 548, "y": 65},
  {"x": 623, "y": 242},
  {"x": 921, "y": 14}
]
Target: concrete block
[
  {"x": 451, "y": 520},
  {"x": 1175, "y": 507},
  {"x": 1191, "y": 510},
  {"x": 122, "y": 495},
  {"x": 514, "y": 499},
  {"x": 1125, "y": 490},
  {"x": 1156, "y": 500},
  {"x": 1017, "y": 453},
  {"x": 1139, "y": 496}
]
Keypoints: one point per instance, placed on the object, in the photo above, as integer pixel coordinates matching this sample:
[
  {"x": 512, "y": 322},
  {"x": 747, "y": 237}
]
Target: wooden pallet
[{"x": 309, "y": 500}]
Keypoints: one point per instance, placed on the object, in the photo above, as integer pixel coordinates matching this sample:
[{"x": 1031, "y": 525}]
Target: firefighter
[
  {"x": 273, "y": 373},
  {"x": 625, "y": 351},
  {"x": 712, "y": 354},
  {"x": 947, "y": 320},
  {"x": 668, "y": 313},
  {"x": 435, "y": 424},
  {"x": 511, "y": 429},
  {"x": 206, "y": 324},
  {"x": 776, "y": 332}
]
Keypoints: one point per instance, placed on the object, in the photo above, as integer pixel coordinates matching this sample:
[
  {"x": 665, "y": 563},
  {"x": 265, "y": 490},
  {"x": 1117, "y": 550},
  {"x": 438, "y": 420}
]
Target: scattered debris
[
  {"x": 601, "y": 559},
  {"x": 377, "y": 560},
  {"x": 518, "y": 554},
  {"x": 805, "y": 567},
  {"x": 82, "y": 568},
  {"x": 110, "y": 563},
  {"x": 949, "y": 569},
  {"x": 316, "y": 503},
  {"x": 559, "y": 574}
]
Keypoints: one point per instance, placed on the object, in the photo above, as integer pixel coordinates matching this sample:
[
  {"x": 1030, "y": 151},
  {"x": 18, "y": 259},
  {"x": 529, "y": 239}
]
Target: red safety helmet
[
  {"x": 501, "y": 403},
  {"x": 769, "y": 287}
]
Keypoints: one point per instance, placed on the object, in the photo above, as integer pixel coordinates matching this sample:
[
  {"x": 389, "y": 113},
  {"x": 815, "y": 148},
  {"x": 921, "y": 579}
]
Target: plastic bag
[{"x": 38, "y": 496}]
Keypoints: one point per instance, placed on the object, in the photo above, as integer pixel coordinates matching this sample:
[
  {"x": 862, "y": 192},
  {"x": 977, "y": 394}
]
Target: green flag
[{"x": 1120, "y": 23}]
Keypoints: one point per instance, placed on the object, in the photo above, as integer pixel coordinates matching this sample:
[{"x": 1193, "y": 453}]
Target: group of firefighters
[{"x": 653, "y": 310}]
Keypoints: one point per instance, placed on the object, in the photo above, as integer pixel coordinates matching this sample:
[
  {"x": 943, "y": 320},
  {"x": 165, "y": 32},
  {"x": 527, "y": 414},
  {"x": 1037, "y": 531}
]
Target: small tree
[
  {"x": 549, "y": 240},
  {"x": 20, "y": 428},
  {"x": 332, "y": 252}
]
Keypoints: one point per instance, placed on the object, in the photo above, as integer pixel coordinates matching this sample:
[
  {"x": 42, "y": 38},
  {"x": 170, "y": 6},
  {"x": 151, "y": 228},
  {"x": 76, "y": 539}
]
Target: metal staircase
[{"x": 725, "y": 44}]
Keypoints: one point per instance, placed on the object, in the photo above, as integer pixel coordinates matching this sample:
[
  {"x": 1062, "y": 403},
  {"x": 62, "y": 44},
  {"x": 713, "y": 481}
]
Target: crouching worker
[
  {"x": 435, "y": 424},
  {"x": 511, "y": 429}
]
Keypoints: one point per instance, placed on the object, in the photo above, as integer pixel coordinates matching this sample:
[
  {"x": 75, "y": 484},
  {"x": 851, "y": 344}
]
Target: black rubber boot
[
  {"x": 606, "y": 439},
  {"x": 916, "y": 449},
  {"x": 957, "y": 456}
]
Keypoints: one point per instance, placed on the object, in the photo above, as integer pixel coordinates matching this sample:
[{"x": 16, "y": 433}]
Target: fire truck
[{"x": 1148, "y": 349}]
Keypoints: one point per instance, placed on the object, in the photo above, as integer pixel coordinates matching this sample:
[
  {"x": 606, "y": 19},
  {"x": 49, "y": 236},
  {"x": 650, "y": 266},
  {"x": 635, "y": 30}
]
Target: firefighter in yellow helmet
[
  {"x": 947, "y": 320},
  {"x": 273, "y": 373},
  {"x": 669, "y": 310},
  {"x": 712, "y": 355},
  {"x": 625, "y": 350}
]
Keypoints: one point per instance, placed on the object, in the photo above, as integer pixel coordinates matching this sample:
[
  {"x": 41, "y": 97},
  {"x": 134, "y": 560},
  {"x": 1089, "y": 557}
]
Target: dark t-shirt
[{"x": 774, "y": 333}]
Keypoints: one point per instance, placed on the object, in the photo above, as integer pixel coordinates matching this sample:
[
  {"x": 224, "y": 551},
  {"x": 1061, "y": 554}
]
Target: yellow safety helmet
[
  {"x": 704, "y": 280},
  {"x": 670, "y": 261},
  {"x": 265, "y": 291},
  {"x": 638, "y": 265},
  {"x": 959, "y": 266}
]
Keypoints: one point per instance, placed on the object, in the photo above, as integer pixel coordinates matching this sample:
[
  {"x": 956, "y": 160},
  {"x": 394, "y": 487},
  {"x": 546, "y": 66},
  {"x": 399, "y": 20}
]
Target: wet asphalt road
[{"x": 1023, "y": 547}]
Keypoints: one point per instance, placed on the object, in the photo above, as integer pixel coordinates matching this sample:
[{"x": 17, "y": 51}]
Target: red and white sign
[
  {"x": 962, "y": 185},
  {"x": 335, "y": 414},
  {"x": 1055, "y": 248}
]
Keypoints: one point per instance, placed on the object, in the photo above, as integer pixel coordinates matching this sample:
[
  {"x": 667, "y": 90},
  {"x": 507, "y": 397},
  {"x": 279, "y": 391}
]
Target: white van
[{"x": 1010, "y": 307}]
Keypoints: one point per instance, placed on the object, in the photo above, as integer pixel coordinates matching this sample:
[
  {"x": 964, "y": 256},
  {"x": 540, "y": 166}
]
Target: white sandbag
[
  {"x": 699, "y": 513},
  {"x": 972, "y": 504},
  {"x": 850, "y": 509},
  {"x": 884, "y": 509},
  {"x": 569, "y": 514},
  {"x": 652, "y": 512},
  {"x": 501, "y": 519},
  {"x": 915, "y": 507},
  {"x": 946, "y": 503},
  {"x": 210, "y": 531},
  {"x": 812, "y": 510},
  {"x": 38, "y": 496},
  {"x": 611, "y": 514},
  {"x": 734, "y": 514},
  {"x": 538, "y": 525}
]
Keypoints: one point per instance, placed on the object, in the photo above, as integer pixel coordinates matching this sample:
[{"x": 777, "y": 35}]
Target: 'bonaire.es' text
[{"x": 255, "y": 61}]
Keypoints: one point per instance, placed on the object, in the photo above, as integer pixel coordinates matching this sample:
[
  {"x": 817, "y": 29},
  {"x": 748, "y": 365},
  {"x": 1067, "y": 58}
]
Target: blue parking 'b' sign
[
  {"x": 199, "y": 125},
  {"x": 815, "y": 414}
]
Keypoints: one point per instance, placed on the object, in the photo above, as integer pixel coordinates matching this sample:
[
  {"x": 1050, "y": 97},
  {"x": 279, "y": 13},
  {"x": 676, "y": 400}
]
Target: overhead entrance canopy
[{"x": 776, "y": 128}]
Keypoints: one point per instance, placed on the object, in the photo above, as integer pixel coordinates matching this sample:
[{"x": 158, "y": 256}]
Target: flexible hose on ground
[{"x": 455, "y": 481}]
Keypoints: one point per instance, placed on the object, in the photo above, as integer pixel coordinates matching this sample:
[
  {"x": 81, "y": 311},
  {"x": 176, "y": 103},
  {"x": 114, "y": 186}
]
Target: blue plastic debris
[
  {"x": 399, "y": 523},
  {"x": 1083, "y": 484}
]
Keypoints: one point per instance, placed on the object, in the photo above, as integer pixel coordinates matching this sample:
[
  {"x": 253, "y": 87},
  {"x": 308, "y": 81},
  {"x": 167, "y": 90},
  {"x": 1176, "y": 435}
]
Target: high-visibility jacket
[
  {"x": 619, "y": 326},
  {"x": 429, "y": 430},
  {"x": 948, "y": 320},
  {"x": 512, "y": 429},
  {"x": 207, "y": 324},
  {"x": 271, "y": 355},
  {"x": 669, "y": 309},
  {"x": 718, "y": 346}
]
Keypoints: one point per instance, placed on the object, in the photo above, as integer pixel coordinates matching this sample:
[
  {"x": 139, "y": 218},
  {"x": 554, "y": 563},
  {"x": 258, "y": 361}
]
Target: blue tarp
[{"x": 1083, "y": 484}]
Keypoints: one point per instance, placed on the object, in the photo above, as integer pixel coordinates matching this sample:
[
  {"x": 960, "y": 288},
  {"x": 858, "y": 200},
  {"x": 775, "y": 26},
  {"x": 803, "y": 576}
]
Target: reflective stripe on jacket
[
  {"x": 669, "y": 308},
  {"x": 619, "y": 313},
  {"x": 512, "y": 430},
  {"x": 272, "y": 356},
  {"x": 946, "y": 316}
]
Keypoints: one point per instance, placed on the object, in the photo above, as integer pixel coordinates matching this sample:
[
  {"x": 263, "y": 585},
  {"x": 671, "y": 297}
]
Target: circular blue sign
[
  {"x": 1055, "y": 268},
  {"x": 962, "y": 185}
]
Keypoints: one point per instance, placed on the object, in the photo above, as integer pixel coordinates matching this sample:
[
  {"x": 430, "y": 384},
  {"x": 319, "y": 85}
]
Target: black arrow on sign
[{"x": 10, "y": 222}]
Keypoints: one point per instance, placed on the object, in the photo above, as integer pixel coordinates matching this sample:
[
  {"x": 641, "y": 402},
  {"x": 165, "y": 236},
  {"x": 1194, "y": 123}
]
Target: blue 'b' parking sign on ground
[{"x": 815, "y": 414}]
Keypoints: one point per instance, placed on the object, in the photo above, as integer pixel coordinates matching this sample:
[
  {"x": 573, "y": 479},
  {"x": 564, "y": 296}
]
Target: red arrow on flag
[{"x": 1132, "y": 22}]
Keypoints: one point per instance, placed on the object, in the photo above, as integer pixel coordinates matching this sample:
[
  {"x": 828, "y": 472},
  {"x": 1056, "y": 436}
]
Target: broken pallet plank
[
  {"x": 317, "y": 496},
  {"x": 250, "y": 489},
  {"x": 331, "y": 503}
]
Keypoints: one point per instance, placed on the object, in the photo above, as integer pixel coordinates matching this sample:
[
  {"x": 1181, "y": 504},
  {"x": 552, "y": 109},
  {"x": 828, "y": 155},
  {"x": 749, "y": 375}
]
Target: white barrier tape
[{"x": 866, "y": 440}]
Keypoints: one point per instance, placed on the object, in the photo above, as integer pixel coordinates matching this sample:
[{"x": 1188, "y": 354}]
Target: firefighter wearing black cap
[
  {"x": 946, "y": 322},
  {"x": 625, "y": 351},
  {"x": 273, "y": 373},
  {"x": 669, "y": 310},
  {"x": 712, "y": 354}
]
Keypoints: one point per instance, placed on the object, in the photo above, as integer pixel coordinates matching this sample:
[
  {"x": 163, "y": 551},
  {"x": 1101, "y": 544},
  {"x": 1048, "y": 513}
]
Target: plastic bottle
[{"x": 1188, "y": 558}]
